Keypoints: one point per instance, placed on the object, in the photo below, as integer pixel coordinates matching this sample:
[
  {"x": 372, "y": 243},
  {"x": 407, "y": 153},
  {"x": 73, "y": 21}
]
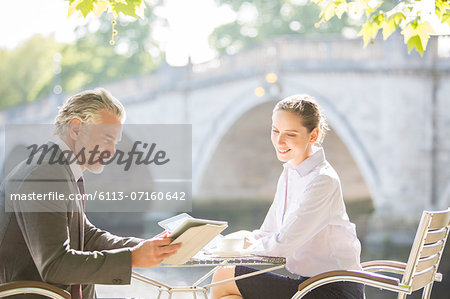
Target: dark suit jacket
[{"x": 57, "y": 245}]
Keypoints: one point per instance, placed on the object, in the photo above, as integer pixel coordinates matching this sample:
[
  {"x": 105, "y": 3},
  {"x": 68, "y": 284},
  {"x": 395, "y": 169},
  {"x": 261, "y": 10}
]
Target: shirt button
[{"x": 116, "y": 280}]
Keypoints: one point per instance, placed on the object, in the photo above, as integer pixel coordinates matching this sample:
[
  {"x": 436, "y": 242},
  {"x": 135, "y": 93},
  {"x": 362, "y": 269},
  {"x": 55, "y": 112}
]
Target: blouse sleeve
[
  {"x": 269, "y": 226},
  {"x": 313, "y": 213}
]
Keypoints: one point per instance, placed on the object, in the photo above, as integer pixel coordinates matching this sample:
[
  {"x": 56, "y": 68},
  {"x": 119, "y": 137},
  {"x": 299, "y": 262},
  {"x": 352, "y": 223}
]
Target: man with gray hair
[{"x": 58, "y": 244}]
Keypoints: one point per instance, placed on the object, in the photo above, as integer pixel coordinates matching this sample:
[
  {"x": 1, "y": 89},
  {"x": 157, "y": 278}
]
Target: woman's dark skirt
[{"x": 273, "y": 286}]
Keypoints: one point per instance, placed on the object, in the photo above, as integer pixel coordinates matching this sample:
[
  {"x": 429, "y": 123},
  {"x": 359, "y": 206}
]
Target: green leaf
[
  {"x": 129, "y": 7},
  {"x": 340, "y": 9},
  {"x": 398, "y": 17},
  {"x": 415, "y": 42},
  {"x": 369, "y": 31},
  {"x": 379, "y": 19},
  {"x": 441, "y": 7},
  {"x": 140, "y": 11},
  {"x": 100, "y": 7},
  {"x": 371, "y": 6},
  {"x": 446, "y": 18},
  {"x": 423, "y": 31},
  {"x": 85, "y": 7},
  {"x": 391, "y": 24},
  {"x": 388, "y": 28},
  {"x": 328, "y": 12},
  {"x": 409, "y": 31},
  {"x": 72, "y": 9},
  {"x": 417, "y": 35}
]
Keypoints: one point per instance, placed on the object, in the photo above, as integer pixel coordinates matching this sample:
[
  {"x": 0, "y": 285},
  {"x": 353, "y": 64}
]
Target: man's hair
[{"x": 86, "y": 107}]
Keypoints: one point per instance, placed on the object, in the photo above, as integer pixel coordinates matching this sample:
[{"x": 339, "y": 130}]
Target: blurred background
[{"x": 221, "y": 66}]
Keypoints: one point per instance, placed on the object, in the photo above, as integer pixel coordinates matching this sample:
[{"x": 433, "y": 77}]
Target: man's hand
[
  {"x": 152, "y": 252},
  {"x": 162, "y": 235}
]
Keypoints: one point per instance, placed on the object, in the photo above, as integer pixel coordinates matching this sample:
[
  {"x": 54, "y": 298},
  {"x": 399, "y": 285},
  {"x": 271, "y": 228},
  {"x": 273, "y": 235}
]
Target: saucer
[{"x": 238, "y": 253}]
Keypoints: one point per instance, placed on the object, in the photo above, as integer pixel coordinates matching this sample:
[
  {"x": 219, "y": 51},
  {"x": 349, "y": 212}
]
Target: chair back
[{"x": 426, "y": 251}]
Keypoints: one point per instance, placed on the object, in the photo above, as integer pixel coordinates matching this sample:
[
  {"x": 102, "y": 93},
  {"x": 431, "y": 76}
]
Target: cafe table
[{"x": 215, "y": 261}]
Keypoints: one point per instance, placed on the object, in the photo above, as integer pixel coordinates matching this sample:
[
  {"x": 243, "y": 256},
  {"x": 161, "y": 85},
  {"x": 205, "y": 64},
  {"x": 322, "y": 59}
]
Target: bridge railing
[{"x": 282, "y": 54}]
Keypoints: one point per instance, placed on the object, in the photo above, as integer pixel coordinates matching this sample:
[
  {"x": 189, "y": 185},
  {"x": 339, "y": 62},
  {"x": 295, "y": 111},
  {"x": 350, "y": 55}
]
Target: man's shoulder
[
  {"x": 43, "y": 165},
  {"x": 37, "y": 177}
]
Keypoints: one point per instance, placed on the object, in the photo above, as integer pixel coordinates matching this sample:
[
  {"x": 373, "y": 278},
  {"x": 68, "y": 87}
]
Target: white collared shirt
[
  {"x": 314, "y": 234},
  {"x": 74, "y": 167}
]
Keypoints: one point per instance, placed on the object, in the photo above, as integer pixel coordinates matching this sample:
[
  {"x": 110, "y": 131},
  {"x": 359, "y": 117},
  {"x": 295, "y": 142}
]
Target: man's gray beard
[{"x": 96, "y": 168}]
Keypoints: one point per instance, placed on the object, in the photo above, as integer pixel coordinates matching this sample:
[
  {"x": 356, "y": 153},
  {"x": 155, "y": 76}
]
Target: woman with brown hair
[{"x": 307, "y": 222}]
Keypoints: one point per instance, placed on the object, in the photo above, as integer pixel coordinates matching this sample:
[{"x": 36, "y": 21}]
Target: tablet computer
[{"x": 193, "y": 222}]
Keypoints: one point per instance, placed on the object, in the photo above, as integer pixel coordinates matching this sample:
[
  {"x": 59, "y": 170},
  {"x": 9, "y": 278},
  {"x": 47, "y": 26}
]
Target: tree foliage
[
  {"x": 31, "y": 70},
  {"x": 27, "y": 71},
  {"x": 91, "y": 60},
  {"x": 415, "y": 19},
  {"x": 133, "y": 8},
  {"x": 260, "y": 20}
]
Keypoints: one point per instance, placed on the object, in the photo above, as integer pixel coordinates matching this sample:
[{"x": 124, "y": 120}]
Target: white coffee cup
[{"x": 230, "y": 244}]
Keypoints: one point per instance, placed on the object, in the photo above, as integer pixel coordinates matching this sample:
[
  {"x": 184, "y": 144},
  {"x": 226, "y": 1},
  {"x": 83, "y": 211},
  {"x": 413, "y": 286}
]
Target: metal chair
[
  {"x": 32, "y": 287},
  {"x": 420, "y": 272}
]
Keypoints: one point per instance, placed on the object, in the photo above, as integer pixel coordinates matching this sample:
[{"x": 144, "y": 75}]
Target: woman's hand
[
  {"x": 247, "y": 243},
  {"x": 244, "y": 234}
]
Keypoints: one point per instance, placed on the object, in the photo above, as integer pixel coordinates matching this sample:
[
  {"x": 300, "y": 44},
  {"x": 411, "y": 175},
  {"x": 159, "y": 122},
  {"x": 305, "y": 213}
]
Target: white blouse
[{"x": 313, "y": 232}]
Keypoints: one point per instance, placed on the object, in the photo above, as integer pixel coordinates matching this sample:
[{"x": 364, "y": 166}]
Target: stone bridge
[{"x": 389, "y": 113}]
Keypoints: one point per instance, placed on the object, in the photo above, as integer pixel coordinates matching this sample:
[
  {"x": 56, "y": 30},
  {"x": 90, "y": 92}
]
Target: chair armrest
[
  {"x": 32, "y": 287},
  {"x": 350, "y": 274},
  {"x": 367, "y": 278}
]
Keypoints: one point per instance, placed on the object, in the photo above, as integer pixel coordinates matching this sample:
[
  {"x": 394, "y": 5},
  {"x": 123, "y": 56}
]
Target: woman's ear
[
  {"x": 314, "y": 136},
  {"x": 75, "y": 129}
]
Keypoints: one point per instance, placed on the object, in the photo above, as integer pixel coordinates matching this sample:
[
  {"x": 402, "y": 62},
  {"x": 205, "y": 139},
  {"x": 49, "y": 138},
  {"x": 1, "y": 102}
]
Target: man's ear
[
  {"x": 314, "y": 135},
  {"x": 75, "y": 129}
]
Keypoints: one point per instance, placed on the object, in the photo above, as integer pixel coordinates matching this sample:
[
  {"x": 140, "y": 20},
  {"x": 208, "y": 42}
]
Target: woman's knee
[
  {"x": 223, "y": 273},
  {"x": 224, "y": 289}
]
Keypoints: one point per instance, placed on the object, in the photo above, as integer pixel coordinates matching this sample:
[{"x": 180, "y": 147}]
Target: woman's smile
[{"x": 283, "y": 151}]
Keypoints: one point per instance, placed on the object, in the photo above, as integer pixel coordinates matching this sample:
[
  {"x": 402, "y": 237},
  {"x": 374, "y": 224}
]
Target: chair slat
[
  {"x": 431, "y": 249},
  {"x": 440, "y": 220},
  {"x": 427, "y": 262},
  {"x": 422, "y": 279},
  {"x": 435, "y": 236}
]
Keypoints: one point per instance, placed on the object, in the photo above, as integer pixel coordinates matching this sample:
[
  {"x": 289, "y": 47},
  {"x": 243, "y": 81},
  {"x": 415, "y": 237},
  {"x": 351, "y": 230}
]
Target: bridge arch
[{"x": 246, "y": 101}]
